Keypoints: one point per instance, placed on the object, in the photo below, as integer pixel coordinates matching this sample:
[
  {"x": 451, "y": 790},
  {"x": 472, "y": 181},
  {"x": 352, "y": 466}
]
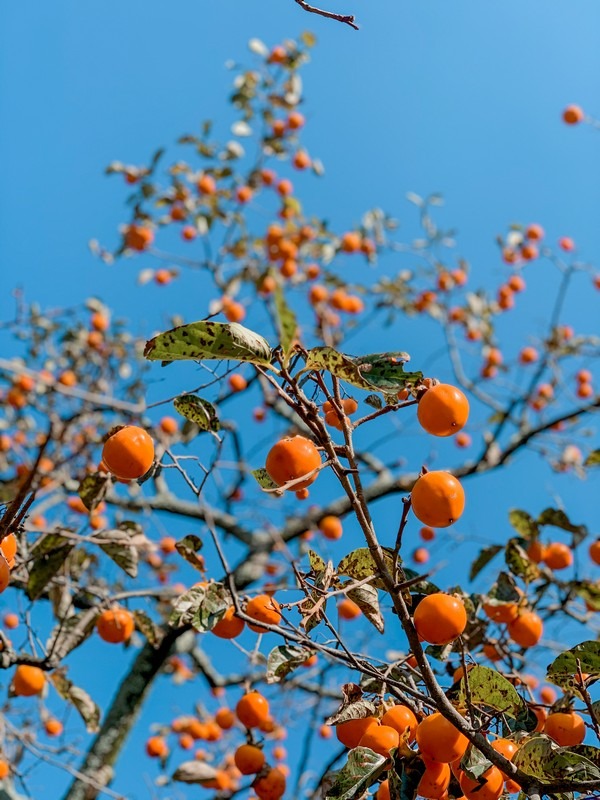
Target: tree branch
[{"x": 348, "y": 19}]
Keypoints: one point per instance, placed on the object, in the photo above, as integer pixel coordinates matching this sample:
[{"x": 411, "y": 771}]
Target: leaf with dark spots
[
  {"x": 519, "y": 563},
  {"x": 564, "y": 671},
  {"x": 360, "y": 771},
  {"x": 523, "y": 523},
  {"x": 92, "y": 489},
  {"x": 80, "y": 699},
  {"x": 490, "y": 689},
  {"x": 204, "y": 339},
  {"x": 199, "y": 411},
  {"x": 360, "y": 564},
  {"x": 188, "y": 548},
  {"x": 47, "y": 557},
  {"x": 367, "y": 599},
  {"x": 284, "y": 659}
]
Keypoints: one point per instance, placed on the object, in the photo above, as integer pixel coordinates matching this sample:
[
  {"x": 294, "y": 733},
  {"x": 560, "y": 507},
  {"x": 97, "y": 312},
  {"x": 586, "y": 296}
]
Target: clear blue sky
[{"x": 463, "y": 98}]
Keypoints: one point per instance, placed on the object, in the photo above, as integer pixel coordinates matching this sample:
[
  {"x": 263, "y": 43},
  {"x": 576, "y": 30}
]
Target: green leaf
[
  {"x": 491, "y": 689},
  {"x": 316, "y": 562},
  {"x": 89, "y": 711},
  {"x": 483, "y": 559},
  {"x": 92, "y": 489},
  {"x": 424, "y": 586},
  {"x": 541, "y": 758},
  {"x": 382, "y": 372},
  {"x": 353, "y": 706},
  {"x": 209, "y": 340},
  {"x": 263, "y": 479},
  {"x": 147, "y": 628},
  {"x": 360, "y": 771},
  {"x": 592, "y": 459},
  {"x": 285, "y": 659},
  {"x": 474, "y": 763},
  {"x": 199, "y": 411},
  {"x": 558, "y": 519},
  {"x": 519, "y": 563},
  {"x": 47, "y": 557},
  {"x": 523, "y": 523},
  {"x": 367, "y": 599},
  {"x": 563, "y": 670},
  {"x": 505, "y": 589},
  {"x": 188, "y": 548},
  {"x": 359, "y": 564},
  {"x": 287, "y": 324},
  {"x": 117, "y": 546},
  {"x": 374, "y": 401}
]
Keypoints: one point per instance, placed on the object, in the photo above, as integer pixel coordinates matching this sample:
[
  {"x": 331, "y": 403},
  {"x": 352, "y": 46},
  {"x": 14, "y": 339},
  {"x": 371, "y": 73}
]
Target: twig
[{"x": 348, "y": 19}]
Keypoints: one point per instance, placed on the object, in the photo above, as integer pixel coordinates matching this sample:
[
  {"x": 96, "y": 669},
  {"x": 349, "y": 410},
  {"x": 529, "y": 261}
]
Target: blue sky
[{"x": 462, "y": 98}]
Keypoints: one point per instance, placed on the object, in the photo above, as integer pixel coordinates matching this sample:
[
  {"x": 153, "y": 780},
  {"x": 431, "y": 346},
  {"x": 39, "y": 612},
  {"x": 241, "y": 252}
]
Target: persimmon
[
  {"x": 350, "y": 242},
  {"x": 128, "y": 453},
  {"x": 402, "y": 719},
  {"x": 536, "y": 551},
  {"x": 53, "y": 727},
  {"x": 67, "y": 378},
  {"x": 440, "y": 618},
  {"x": 489, "y": 787},
  {"x": 350, "y": 733},
  {"x": 28, "y": 681},
  {"x": 331, "y": 527},
  {"x": 234, "y": 311},
  {"x": 249, "y": 759},
  {"x": 138, "y": 237},
  {"x": 317, "y": 294},
  {"x": 420, "y": 555},
  {"x": 263, "y": 609},
  {"x": 439, "y": 740},
  {"x": 8, "y": 546},
  {"x": 168, "y": 544},
  {"x": 426, "y": 533},
  {"x": 516, "y": 283},
  {"x": 237, "y": 382},
  {"x": 270, "y": 786},
  {"x": 252, "y": 709},
  {"x": 229, "y": 626},
  {"x": 506, "y": 748},
  {"x": 462, "y": 439},
  {"x": 285, "y": 187},
  {"x": 443, "y": 410},
  {"x": 381, "y": 739},
  {"x": 558, "y": 555},
  {"x": 156, "y": 747},
  {"x": 434, "y": 781},
  {"x": 566, "y": 728},
  {"x": 243, "y": 194},
  {"x": 535, "y": 232},
  {"x": 301, "y": 160},
  {"x": 115, "y": 625},
  {"x": 295, "y": 120},
  {"x": 10, "y": 621},
  {"x": 547, "y": 695},
  {"x": 383, "y": 792},
  {"x": 491, "y": 651},
  {"x": 501, "y": 612},
  {"x": 163, "y": 276},
  {"x": 348, "y": 609},
  {"x": 206, "y": 184},
  {"x": 438, "y": 499},
  {"x": 595, "y": 551},
  {"x": 325, "y": 731},
  {"x": 293, "y": 458},
  {"x": 4, "y": 769},
  {"x": 541, "y": 715},
  {"x": 526, "y": 630},
  {"x": 585, "y": 390},
  {"x": 572, "y": 115}
]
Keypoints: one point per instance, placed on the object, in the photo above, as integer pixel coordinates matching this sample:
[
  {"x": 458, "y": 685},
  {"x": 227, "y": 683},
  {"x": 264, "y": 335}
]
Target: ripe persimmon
[
  {"x": 28, "y": 681},
  {"x": 547, "y": 695},
  {"x": 331, "y": 527},
  {"x": 381, "y": 739},
  {"x": 558, "y": 555},
  {"x": 426, "y": 533},
  {"x": 10, "y": 621},
  {"x": 566, "y": 728},
  {"x": 156, "y": 747},
  {"x": 293, "y": 458},
  {"x": 252, "y": 709},
  {"x": 383, "y": 793},
  {"x": 237, "y": 382},
  {"x": 229, "y": 626},
  {"x": 270, "y": 786},
  {"x": 350, "y": 733},
  {"x": 440, "y": 618},
  {"x": 263, "y": 608},
  {"x": 4, "y": 769},
  {"x": 506, "y": 748},
  {"x": 572, "y": 115},
  {"x": 138, "y": 237},
  {"x": 53, "y": 727},
  {"x": 434, "y": 781},
  {"x": 438, "y": 499},
  {"x": 350, "y": 242},
  {"x": 595, "y": 551},
  {"x": 225, "y": 718},
  {"x": 115, "y": 625},
  {"x": 249, "y": 759},
  {"x": 402, "y": 719},
  {"x": 489, "y": 787},
  {"x": 420, "y": 555},
  {"x": 168, "y": 425},
  {"x": 295, "y": 120},
  {"x": 443, "y": 410},
  {"x": 439, "y": 740},
  {"x": 8, "y": 546},
  {"x": 526, "y": 630},
  {"x": 348, "y": 609},
  {"x": 501, "y": 612},
  {"x": 128, "y": 453}
]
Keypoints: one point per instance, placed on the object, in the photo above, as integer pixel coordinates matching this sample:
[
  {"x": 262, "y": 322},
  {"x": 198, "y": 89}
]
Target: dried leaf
[{"x": 209, "y": 340}]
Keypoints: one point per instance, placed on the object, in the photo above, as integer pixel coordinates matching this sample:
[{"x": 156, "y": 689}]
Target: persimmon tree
[{"x": 212, "y": 517}]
